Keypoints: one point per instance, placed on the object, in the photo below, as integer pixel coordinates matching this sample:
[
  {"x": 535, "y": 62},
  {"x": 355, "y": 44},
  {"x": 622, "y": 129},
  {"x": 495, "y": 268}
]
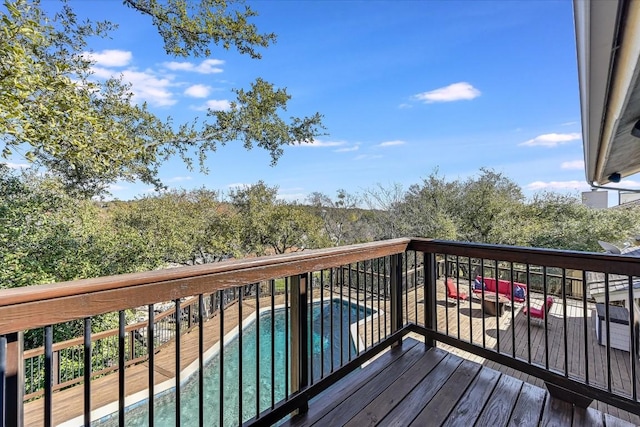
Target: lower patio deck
[{"x": 411, "y": 385}]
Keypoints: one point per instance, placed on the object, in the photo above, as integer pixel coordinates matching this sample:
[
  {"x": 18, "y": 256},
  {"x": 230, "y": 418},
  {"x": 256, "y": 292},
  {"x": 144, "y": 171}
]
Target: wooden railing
[
  {"x": 390, "y": 287},
  {"x": 561, "y": 347},
  {"x": 48, "y": 305}
]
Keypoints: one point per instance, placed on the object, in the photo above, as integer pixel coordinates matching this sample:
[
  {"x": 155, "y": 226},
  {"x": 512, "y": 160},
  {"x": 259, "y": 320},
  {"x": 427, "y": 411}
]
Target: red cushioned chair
[
  {"x": 538, "y": 314},
  {"x": 452, "y": 292}
]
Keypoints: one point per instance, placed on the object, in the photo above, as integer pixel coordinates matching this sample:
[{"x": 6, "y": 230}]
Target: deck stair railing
[{"x": 297, "y": 324}]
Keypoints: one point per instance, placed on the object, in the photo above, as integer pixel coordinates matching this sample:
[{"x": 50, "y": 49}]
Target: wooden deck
[
  {"x": 464, "y": 320},
  {"x": 413, "y": 386}
]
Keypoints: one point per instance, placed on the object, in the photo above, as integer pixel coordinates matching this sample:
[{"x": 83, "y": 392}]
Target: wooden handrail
[
  {"x": 575, "y": 260},
  {"x": 37, "y": 306}
]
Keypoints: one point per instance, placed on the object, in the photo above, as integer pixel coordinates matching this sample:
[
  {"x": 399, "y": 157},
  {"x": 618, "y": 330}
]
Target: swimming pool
[{"x": 340, "y": 337}]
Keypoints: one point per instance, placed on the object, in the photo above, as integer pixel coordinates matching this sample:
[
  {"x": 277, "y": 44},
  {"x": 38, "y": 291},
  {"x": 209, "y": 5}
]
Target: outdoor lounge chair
[
  {"x": 538, "y": 314},
  {"x": 452, "y": 291}
]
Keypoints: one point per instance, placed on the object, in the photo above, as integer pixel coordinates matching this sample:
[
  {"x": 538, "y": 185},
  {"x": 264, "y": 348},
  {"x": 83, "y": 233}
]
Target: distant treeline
[{"x": 49, "y": 235}]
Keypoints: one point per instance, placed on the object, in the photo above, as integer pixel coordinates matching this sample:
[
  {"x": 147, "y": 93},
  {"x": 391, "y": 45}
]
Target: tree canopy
[{"x": 89, "y": 132}]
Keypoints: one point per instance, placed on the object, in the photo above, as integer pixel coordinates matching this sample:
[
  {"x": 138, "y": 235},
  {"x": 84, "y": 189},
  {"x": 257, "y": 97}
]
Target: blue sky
[{"x": 405, "y": 87}]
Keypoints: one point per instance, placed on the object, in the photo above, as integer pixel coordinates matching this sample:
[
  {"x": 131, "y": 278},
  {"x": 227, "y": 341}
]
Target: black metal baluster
[
  {"x": 309, "y": 302},
  {"x": 273, "y": 343},
  {"x": 87, "y": 371},
  {"x": 373, "y": 304},
  {"x": 633, "y": 334},
  {"x": 287, "y": 328},
  {"x": 513, "y": 322},
  {"x": 564, "y": 323},
  {"x": 201, "y": 359},
  {"x": 357, "y": 338},
  {"x": 341, "y": 317},
  {"x": 585, "y": 331},
  {"x": 497, "y": 305},
  {"x": 364, "y": 303},
  {"x": 458, "y": 292},
  {"x": 121, "y": 366},
  {"x": 331, "y": 284},
  {"x": 528, "y": 268},
  {"x": 349, "y": 283},
  {"x": 322, "y": 323},
  {"x": 484, "y": 328},
  {"x": 430, "y": 278},
  {"x": 608, "y": 328},
  {"x": 151, "y": 354},
  {"x": 415, "y": 286},
  {"x": 48, "y": 376},
  {"x": 178, "y": 324},
  {"x": 446, "y": 305},
  {"x": 221, "y": 364},
  {"x": 544, "y": 308},
  {"x": 240, "y": 358},
  {"x": 471, "y": 280},
  {"x": 379, "y": 315},
  {"x": 258, "y": 382},
  {"x": 386, "y": 295},
  {"x": 404, "y": 284}
]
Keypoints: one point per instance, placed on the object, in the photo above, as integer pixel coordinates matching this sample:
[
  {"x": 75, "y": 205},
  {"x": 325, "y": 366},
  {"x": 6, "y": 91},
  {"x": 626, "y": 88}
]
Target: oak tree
[{"x": 89, "y": 132}]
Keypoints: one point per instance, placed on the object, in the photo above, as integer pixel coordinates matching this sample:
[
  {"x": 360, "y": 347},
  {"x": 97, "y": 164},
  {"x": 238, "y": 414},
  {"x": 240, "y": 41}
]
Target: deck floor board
[{"x": 491, "y": 398}]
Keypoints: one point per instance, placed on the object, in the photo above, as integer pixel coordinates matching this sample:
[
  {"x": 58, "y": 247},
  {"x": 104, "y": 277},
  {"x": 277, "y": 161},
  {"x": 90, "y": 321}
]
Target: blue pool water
[{"x": 165, "y": 402}]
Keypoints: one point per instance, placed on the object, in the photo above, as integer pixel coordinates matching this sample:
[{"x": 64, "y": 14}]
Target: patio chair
[
  {"x": 452, "y": 291},
  {"x": 538, "y": 314}
]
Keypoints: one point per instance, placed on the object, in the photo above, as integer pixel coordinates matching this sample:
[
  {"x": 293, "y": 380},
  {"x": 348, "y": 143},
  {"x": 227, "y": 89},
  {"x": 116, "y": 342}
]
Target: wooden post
[
  {"x": 430, "y": 309},
  {"x": 12, "y": 392},
  {"x": 56, "y": 367},
  {"x": 299, "y": 336},
  {"x": 396, "y": 295}
]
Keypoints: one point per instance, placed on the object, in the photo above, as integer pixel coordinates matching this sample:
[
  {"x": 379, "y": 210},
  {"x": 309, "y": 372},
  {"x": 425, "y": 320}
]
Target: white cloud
[
  {"x": 573, "y": 165},
  {"x": 208, "y": 66},
  {"x": 198, "y": 91},
  {"x": 110, "y": 57},
  {"x": 569, "y": 123},
  {"x": 145, "y": 85},
  {"x": 368, "y": 157},
  {"x": 627, "y": 183},
  {"x": 453, "y": 92},
  {"x": 290, "y": 195},
  {"x": 404, "y": 106},
  {"x": 558, "y": 185},
  {"x": 115, "y": 187},
  {"x": 179, "y": 179},
  {"x": 295, "y": 197},
  {"x": 213, "y": 104},
  {"x": 218, "y": 104},
  {"x": 17, "y": 165},
  {"x": 347, "y": 149},
  {"x": 319, "y": 143},
  {"x": 391, "y": 143},
  {"x": 238, "y": 184},
  {"x": 551, "y": 139}
]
